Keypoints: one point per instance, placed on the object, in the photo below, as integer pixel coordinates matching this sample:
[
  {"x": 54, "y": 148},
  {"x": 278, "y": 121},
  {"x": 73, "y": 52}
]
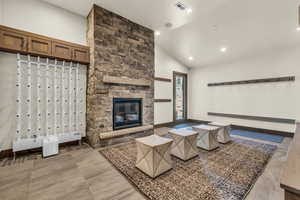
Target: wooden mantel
[
  {"x": 126, "y": 81},
  {"x": 290, "y": 180}
]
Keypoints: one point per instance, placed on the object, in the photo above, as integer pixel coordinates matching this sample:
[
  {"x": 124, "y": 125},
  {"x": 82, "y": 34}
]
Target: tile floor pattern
[{"x": 81, "y": 173}]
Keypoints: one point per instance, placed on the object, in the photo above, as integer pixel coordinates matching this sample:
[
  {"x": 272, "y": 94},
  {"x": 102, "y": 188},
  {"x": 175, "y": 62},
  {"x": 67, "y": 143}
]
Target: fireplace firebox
[{"x": 127, "y": 113}]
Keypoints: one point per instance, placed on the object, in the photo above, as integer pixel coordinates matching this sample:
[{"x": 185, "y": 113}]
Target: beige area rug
[{"x": 226, "y": 173}]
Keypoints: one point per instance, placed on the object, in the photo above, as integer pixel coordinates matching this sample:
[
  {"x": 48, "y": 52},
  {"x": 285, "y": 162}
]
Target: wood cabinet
[
  {"x": 39, "y": 46},
  {"x": 62, "y": 51},
  {"x": 13, "y": 40},
  {"x": 291, "y": 196},
  {"x": 81, "y": 54}
]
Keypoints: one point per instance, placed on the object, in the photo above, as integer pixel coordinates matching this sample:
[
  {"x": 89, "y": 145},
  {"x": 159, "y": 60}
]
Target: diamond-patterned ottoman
[
  {"x": 153, "y": 155},
  {"x": 208, "y": 137},
  {"x": 223, "y": 133},
  {"x": 184, "y": 143}
]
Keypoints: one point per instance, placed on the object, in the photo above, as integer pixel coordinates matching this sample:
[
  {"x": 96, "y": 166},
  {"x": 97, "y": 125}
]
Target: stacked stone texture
[{"x": 120, "y": 48}]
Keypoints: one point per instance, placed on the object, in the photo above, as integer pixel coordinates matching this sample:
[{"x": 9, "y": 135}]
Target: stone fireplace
[{"x": 122, "y": 68}]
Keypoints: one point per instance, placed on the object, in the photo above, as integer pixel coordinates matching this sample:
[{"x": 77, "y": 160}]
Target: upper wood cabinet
[
  {"x": 81, "y": 54},
  {"x": 60, "y": 50},
  {"x": 13, "y": 40},
  {"x": 39, "y": 46}
]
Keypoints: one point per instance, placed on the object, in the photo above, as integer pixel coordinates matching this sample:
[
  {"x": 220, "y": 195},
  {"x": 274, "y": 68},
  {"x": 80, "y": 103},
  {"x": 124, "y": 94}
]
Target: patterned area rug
[{"x": 226, "y": 173}]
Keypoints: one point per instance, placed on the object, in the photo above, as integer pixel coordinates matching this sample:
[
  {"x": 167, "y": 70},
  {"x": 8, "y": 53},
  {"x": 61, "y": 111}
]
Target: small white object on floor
[
  {"x": 50, "y": 146},
  {"x": 208, "y": 137},
  {"x": 223, "y": 133}
]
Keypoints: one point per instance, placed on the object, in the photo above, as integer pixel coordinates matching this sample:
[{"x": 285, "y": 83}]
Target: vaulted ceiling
[{"x": 246, "y": 28}]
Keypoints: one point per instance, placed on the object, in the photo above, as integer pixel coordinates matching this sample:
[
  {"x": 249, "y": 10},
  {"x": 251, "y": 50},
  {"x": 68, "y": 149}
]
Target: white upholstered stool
[
  {"x": 207, "y": 138},
  {"x": 184, "y": 143},
  {"x": 223, "y": 133},
  {"x": 153, "y": 155}
]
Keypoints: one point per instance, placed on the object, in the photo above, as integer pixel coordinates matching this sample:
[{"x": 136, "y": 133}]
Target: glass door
[{"x": 180, "y": 96}]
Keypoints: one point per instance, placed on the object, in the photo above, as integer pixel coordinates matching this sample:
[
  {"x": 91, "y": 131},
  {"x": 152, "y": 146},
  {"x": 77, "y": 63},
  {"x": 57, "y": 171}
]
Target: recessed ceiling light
[
  {"x": 223, "y": 49},
  {"x": 191, "y": 58},
  {"x": 180, "y": 6},
  {"x": 157, "y": 33},
  {"x": 298, "y": 29},
  {"x": 183, "y": 7}
]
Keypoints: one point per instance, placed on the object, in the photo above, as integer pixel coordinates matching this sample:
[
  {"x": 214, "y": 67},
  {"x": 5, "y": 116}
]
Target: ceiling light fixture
[
  {"x": 223, "y": 49},
  {"x": 298, "y": 29},
  {"x": 180, "y": 6},
  {"x": 183, "y": 7},
  {"x": 168, "y": 25},
  {"x": 157, "y": 33},
  {"x": 191, "y": 58}
]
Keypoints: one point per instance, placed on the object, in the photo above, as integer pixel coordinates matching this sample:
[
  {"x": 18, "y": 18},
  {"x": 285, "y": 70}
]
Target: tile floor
[{"x": 81, "y": 173}]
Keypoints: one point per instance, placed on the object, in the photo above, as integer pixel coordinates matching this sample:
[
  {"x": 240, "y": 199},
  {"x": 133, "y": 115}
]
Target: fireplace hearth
[{"x": 127, "y": 113}]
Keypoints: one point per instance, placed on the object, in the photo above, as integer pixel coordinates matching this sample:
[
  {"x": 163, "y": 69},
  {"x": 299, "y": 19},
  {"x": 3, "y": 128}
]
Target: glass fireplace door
[{"x": 127, "y": 113}]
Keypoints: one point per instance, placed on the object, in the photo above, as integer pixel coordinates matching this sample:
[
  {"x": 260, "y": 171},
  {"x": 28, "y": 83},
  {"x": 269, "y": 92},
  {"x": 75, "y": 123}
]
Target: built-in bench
[{"x": 290, "y": 180}]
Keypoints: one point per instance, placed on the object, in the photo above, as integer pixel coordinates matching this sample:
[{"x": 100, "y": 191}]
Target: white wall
[
  {"x": 42, "y": 18},
  {"x": 267, "y": 99},
  {"x": 8, "y": 74},
  {"x": 164, "y": 67},
  {"x": 1, "y": 11}
]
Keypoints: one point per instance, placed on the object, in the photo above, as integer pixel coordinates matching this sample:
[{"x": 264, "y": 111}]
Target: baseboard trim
[
  {"x": 256, "y": 118},
  {"x": 9, "y": 152},
  {"x": 261, "y": 130},
  {"x": 170, "y": 124},
  {"x": 198, "y": 121},
  {"x": 247, "y": 128},
  {"x": 6, "y": 153},
  {"x": 164, "y": 125}
]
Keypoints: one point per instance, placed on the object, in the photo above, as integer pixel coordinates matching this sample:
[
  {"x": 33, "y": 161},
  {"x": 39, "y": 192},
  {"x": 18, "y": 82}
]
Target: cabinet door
[
  {"x": 12, "y": 41},
  {"x": 39, "y": 46},
  {"x": 81, "y": 55},
  {"x": 60, "y": 50}
]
